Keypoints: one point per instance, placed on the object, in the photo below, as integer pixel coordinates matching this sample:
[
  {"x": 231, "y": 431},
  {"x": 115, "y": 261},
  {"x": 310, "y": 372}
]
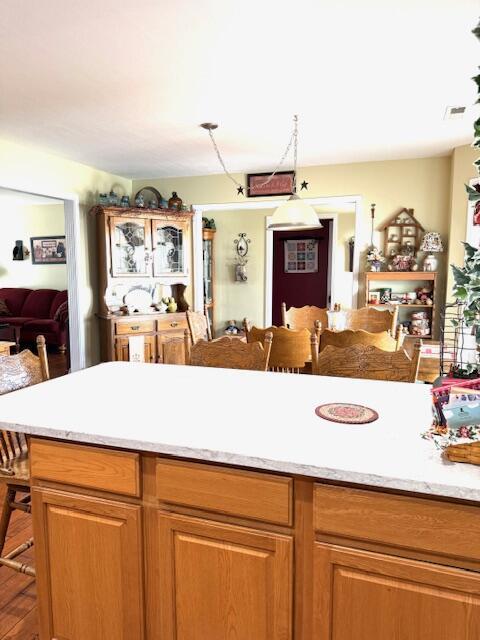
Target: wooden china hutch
[{"x": 144, "y": 256}]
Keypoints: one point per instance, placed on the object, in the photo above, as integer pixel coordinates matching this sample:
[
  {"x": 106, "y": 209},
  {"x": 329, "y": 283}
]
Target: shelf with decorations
[{"x": 414, "y": 294}]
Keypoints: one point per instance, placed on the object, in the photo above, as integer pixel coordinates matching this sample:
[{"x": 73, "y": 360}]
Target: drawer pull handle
[
  {"x": 173, "y": 324},
  {"x": 135, "y": 327}
]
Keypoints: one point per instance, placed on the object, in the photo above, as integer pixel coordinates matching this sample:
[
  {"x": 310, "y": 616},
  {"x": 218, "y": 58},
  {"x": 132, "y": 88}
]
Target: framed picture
[
  {"x": 301, "y": 256},
  {"x": 280, "y": 185},
  {"x": 48, "y": 250},
  {"x": 374, "y": 297}
]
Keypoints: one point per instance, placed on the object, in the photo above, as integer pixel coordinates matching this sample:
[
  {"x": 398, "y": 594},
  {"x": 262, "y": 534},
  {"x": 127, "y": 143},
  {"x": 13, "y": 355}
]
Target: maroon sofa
[{"x": 37, "y": 312}]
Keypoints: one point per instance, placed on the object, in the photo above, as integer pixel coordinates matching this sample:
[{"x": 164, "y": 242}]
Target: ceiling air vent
[{"x": 454, "y": 113}]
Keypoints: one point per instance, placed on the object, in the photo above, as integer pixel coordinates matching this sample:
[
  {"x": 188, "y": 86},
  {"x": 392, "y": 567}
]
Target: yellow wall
[
  {"x": 422, "y": 184},
  {"x": 41, "y": 172},
  {"x": 462, "y": 171},
  {"x": 22, "y": 223}
]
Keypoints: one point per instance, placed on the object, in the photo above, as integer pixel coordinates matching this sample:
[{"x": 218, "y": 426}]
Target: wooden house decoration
[{"x": 403, "y": 234}]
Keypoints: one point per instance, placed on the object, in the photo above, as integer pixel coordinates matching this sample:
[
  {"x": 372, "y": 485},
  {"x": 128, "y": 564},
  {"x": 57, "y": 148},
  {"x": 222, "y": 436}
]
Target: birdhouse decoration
[{"x": 403, "y": 234}]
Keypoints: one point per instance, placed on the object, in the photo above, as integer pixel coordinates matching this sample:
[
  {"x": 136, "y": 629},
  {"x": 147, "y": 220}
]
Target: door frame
[
  {"x": 332, "y": 254},
  {"x": 331, "y": 201},
  {"x": 76, "y": 322}
]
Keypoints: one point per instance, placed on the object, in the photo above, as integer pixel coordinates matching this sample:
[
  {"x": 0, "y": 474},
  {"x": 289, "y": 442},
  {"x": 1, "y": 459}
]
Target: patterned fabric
[
  {"x": 61, "y": 314},
  {"x": 4, "y": 310},
  {"x": 19, "y": 371}
]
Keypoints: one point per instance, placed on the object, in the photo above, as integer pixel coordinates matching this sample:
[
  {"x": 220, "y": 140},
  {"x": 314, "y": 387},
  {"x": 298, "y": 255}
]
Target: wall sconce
[
  {"x": 241, "y": 248},
  {"x": 20, "y": 252}
]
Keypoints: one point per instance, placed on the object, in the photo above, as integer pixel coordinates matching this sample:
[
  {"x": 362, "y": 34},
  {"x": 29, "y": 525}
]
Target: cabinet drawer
[
  {"x": 243, "y": 494},
  {"x": 172, "y": 321},
  {"x": 140, "y": 326},
  {"x": 78, "y": 465},
  {"x": 419, "y": 524}
]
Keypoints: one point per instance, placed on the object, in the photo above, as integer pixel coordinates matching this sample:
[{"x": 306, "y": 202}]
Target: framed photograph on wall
[
  {"x": 280, "y": 185},
  {"x": 49, "y": 250},
  {"x": 301, "y": 256}
]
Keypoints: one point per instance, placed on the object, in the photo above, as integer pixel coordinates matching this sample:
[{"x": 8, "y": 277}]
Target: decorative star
[
  {"x": 240, "y": 191},
  {"x": 304, "y": 186}
]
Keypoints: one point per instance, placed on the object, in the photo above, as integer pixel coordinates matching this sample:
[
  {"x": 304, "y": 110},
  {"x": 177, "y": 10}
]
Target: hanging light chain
[{"x": 293, "y": 140}]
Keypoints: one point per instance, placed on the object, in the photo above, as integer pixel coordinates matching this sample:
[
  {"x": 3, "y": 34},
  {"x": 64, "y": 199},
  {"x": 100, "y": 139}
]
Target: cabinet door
[
  {"x": 367, "y": 596},
  {"x": 89, "y": 567},
  {"x": 217, "y": 581},
  {"x": 122, "y": 349},
  {"x": 130, "y": 246},
  {"x": 171, "y": 347},
  {"x": 170, "y": 247}
]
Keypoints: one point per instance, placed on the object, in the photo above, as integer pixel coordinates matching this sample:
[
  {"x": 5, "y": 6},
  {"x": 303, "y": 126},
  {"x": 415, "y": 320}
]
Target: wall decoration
[
  {"x": 473, "y": 217},
  {"x": 282, "y": 183},
  {"x": 241, "y": 249},
  {"x": 402, "y": 234},
  {"x": 301, "y": 256},
  {"x": 49, "y": 250}
]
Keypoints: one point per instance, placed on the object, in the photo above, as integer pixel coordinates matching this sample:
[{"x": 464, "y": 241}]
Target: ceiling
[
  {"x": 122, "y": 86},
  {"x": 11, "y": 197}
]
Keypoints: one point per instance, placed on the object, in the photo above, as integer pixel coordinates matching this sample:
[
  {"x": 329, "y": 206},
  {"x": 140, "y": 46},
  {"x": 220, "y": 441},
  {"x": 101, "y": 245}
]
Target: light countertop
[{"x": 259, "y": 420}]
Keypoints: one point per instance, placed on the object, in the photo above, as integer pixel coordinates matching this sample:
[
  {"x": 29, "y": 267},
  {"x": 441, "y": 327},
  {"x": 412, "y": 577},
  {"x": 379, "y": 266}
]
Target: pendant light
[{"x": 294, "y": 213}]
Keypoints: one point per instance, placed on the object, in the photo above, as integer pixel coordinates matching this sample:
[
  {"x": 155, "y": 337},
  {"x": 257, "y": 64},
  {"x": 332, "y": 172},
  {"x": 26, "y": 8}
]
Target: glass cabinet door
[
  {"x": 130, "y": 245},
  {"x": 169, "y": 244},
  {"x": 207, "y": 272}
]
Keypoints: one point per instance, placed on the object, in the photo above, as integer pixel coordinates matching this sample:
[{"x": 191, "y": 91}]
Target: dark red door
[{"x": 298, "y": 289}]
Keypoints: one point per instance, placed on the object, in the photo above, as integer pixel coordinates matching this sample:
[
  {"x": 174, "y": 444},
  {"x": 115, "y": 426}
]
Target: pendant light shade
[{"x": 294, "y": 213}]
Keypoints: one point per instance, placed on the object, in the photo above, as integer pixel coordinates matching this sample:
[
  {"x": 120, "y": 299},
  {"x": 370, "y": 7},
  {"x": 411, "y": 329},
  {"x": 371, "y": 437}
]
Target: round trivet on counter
[{"x": 346, "y": 413}]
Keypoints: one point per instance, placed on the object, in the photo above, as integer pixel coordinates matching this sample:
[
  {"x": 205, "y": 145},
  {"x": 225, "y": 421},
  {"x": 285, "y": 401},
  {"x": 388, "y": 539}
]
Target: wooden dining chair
[
  {"x": 16, "y": 372},
  {"x": 230, "y": 353},
  {"x": 303, "y": 317},
  {"x": 199, "y": 326},
  {"x": 349, "y": 337},
  {"x": 372, "y": 320},
  {"x": 365, "y": 361},
  {"x": 290, "y": 348}
]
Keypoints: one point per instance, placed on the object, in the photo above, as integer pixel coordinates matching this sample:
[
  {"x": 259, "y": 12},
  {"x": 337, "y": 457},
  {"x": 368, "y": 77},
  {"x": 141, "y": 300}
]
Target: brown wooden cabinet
[
  {"x": 148, "y": 250},
  {"x": 247, "y": 555},
  {"x": 89, "y": 567},
  {"x": 122, "y": 349},
  {"x": 217, "y": 581},
  {"x": 360, "y": 595}
]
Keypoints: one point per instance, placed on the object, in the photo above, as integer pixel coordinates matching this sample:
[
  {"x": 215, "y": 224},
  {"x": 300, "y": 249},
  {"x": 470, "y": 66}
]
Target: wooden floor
[{"x": 18, "y": 615}]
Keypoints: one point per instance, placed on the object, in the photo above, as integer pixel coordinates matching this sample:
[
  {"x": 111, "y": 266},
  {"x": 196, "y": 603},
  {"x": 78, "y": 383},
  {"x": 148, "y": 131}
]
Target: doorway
[{"x": 301, "y": 264}]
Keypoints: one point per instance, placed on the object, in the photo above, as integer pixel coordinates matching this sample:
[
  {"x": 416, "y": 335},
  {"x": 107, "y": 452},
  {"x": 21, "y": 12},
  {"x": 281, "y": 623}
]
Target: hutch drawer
[
  {"x": 133, "y": 326},
  {"x": 172, "y": 322}
]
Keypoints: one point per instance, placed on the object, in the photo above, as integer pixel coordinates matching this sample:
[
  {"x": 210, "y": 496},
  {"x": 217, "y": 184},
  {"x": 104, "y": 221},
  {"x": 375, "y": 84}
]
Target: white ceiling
[
  {"x": 123, "y": 85},
  {"x": 11, "y": 197}
]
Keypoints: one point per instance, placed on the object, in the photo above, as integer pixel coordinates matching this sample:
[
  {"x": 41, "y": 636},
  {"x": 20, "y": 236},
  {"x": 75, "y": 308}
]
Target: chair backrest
[
  {"x": 303, "y": 317},
  {"x": 371, "y": 319},
  {"x": 24, "y": 369},
  {"x": 199, "y": 326},
  {"x": 16, "y": 372},
  {"x": 342, "y": 339},
  {"x": 365, "y": 361},
  {"x": 290, "y": 347},
  {"x": 231, "y": 353}
]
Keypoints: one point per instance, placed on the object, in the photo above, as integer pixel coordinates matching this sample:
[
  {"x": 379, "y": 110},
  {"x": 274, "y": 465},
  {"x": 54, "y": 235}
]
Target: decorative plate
[
  {"x": 346, "y": 413},
  {"x": 138, "y": 298}
]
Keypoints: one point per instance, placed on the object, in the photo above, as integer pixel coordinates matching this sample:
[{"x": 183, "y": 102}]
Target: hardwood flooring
[{"x": 18, "y": 612}]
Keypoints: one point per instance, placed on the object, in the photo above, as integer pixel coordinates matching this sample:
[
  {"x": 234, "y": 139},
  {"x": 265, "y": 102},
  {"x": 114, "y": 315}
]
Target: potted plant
[{"x": 375, "y": 259}]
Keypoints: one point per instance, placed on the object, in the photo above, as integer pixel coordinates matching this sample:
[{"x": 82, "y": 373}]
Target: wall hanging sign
[
  {"x": 49, "y": 250},
  {"x": 281, "y": 184},
  {"x": 301, "y": 256}
]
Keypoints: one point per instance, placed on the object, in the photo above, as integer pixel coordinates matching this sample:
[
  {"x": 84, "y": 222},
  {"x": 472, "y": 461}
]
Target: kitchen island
[{"x": 205, "y": 504}]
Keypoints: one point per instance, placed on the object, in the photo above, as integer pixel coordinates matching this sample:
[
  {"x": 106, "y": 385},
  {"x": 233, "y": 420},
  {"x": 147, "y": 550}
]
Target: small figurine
[
  {"x": 112, "y": 198},
  {"x": 231, "y": 329},
  {"x": 125, "y": 202},
  {"x": 140, "y": 201}
]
